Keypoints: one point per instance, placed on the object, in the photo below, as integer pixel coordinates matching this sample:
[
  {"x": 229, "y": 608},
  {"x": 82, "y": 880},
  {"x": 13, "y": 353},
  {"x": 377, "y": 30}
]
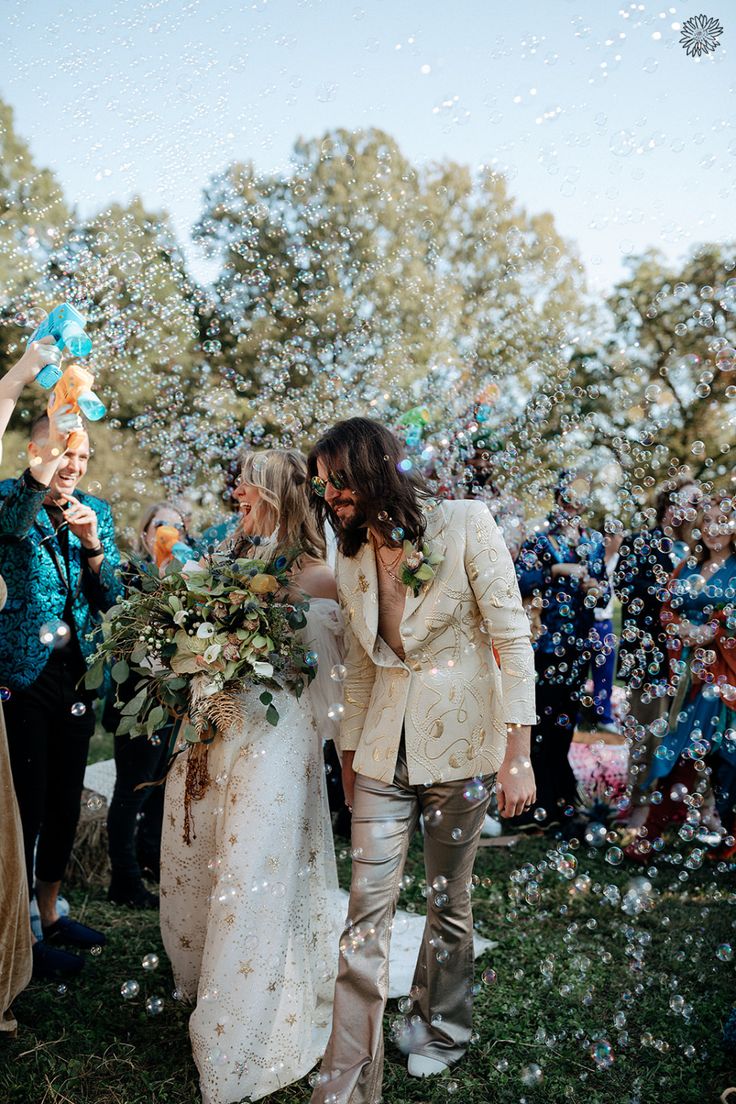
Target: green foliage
[
  {"x": 92, "y": 1047},
  {"x": 359, "y": 282},
  {"x": 363, "y": 278}
]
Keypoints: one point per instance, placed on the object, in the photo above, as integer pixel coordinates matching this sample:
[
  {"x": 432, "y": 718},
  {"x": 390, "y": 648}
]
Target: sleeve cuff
[{"x": 31, "y": 482}]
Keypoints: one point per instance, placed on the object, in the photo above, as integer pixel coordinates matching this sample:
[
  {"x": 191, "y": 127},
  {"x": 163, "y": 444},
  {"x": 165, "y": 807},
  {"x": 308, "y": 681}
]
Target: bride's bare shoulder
[{"x": 317, "y": 580}]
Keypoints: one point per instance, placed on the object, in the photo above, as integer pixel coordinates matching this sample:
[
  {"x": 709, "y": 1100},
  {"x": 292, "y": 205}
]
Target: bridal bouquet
[{"x": 195, "y": 638}]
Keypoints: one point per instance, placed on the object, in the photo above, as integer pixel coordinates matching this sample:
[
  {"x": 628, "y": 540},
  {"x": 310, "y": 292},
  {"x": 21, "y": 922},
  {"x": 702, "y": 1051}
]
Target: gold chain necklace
[{"x": 385, "y": 566}]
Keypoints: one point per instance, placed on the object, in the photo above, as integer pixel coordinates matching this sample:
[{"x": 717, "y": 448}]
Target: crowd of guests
[{"x": 675, "y": 653}]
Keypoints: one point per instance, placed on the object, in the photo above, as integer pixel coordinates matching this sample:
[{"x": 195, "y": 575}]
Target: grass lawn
[{"x": 578, "y": 971}]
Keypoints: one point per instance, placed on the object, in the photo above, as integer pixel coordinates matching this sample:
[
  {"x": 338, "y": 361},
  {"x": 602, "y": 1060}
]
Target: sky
[{"x": 593, "y": 109}]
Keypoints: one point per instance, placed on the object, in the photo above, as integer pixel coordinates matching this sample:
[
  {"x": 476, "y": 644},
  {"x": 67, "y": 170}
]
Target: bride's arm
[{"x": 316, "y": 581}]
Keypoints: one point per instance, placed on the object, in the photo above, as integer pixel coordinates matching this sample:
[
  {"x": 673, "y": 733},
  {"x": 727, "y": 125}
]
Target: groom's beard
[{"x": 350, "y": 519}]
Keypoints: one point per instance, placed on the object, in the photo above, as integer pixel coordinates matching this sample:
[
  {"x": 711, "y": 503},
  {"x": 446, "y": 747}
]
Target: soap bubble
[
  {"x": 129, "y": 262},
  {"x": 311, "y": 659},
  {"x": 95, "y": 803},
  {"x": 475, "y": 790},
  {"x": 5, "y": 694},
  {"x": 150, "y": 961},
  {"x": 338, "y": 672},
  {"x": 54, "y": 633},
  {"x": 602, "y": 1054},
  {"x": 78, "y": 709},
  {"x": 614, "y": 856},
  {"x": 154, "y": 1005},
  {"x": 129, "y": 990},
  {"x": 726, "y": 358},
  {"x": 335, "y": 711},
  {"x": 595, "y": 834},
  {"x": 489, "y": 976},
  {"x": 61, "y": 990},
  {"x": 532, "y": 1075},
  {"x": 724, "y": 952}
]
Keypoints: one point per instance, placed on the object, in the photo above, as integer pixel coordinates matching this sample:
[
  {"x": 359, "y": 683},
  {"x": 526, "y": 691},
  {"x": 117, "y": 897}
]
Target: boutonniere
[{"x": 419, "y": 566}]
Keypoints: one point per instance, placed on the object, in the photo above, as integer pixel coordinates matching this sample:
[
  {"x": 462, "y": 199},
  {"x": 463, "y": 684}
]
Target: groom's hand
[
  {"x": 348, "y": 777},
  {"x": 516, "y": 790}
]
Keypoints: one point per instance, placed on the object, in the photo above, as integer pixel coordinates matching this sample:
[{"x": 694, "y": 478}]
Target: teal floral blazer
[{"x": 33, "y": 566}]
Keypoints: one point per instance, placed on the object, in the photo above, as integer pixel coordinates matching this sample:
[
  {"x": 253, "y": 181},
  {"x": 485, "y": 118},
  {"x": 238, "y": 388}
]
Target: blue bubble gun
[{"x": 66, "y": 326}]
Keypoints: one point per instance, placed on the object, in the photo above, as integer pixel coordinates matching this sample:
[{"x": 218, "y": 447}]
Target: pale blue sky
[{"x": 591, "y": 106}]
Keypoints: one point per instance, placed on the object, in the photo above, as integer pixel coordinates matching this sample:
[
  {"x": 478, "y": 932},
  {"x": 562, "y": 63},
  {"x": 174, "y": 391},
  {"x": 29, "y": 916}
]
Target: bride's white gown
[{"x": 251, "y": 915}]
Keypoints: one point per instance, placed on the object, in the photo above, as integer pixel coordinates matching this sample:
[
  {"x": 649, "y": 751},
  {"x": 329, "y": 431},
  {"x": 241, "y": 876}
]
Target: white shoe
[
  {"x": 491, "y": 827},
  {"x": 419, "y": 1066}
]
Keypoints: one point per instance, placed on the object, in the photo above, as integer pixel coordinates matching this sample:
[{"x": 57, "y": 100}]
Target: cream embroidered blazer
[{"x": 449, "y": 693}]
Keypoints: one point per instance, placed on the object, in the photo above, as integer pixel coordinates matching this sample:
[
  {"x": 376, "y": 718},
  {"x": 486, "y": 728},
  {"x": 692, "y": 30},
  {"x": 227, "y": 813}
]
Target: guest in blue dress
[{"x": 700, "y": 620}]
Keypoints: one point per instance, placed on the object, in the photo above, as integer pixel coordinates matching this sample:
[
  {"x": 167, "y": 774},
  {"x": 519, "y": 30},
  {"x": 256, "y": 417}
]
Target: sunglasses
[
  {"x": 319, "y": 486},
  {"x": 181, "y": 527}
]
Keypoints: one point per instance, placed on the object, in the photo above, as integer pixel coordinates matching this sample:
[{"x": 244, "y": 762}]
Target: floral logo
[{"x": 700, "y": 35}]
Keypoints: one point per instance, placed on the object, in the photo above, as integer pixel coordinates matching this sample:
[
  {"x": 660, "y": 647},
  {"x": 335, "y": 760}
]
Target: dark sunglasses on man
[{"x": 319, "y": 485}]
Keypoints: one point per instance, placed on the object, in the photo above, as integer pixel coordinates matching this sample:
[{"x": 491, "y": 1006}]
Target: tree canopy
[{"x": 360, "y": 282}]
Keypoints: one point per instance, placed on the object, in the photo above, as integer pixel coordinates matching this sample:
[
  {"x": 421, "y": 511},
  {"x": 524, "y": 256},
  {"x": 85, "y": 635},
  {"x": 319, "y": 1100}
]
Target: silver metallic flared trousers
[{"x": 385, "y": 817}]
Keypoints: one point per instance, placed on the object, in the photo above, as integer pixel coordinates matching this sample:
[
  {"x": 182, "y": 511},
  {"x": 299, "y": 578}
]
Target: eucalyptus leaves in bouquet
[{"x": 196, "y": 637}]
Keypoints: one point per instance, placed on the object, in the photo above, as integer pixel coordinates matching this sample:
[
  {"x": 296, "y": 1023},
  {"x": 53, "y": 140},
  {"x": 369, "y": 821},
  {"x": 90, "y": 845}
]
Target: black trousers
[
  {"x": 135, "y": 817},
  {"x": 48, "y": 744},
  {"x": 559, "y": 684}
]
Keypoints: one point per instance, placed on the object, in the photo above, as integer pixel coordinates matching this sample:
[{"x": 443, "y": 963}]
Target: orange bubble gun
[
  {"x": 167, "y": 545},
  {"x": 74, "y": 389}
]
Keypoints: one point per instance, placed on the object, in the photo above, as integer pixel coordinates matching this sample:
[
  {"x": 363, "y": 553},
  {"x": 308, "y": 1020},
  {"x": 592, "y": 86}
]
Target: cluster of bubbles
[{"x": 279, "y": 349}]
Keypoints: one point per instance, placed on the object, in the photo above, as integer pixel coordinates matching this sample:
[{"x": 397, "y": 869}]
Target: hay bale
[{"x": 89, "y": 864}]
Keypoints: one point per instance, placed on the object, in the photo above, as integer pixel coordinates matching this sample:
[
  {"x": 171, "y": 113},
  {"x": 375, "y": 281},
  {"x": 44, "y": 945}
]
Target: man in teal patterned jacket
[{"x": 59, "y": 561}]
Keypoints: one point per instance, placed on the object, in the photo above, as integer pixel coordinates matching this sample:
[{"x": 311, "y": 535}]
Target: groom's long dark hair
[{"x": 367, "y": 456}]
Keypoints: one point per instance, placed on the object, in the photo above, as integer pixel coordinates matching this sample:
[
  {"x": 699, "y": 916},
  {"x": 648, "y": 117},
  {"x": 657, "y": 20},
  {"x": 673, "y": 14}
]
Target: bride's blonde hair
[{"x": 281, "y": 478}]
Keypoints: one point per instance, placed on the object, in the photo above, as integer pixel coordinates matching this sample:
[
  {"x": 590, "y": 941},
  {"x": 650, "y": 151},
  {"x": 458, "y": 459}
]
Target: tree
[
  {"x": 659, "y": 394},
  {"x": 360, "y": 282},
  {"x": 33, "y": 218}
]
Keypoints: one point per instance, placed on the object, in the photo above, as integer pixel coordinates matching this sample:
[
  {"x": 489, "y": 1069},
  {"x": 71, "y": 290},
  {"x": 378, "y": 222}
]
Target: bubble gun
[
  {"x": 74, "y": 389},
  {"x": 167, "y": 545},
  {"x": 66, "y": 325}
]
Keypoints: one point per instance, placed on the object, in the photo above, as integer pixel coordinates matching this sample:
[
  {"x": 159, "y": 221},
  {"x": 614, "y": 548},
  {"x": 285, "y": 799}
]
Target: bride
[{"x": 247, "y": 907}]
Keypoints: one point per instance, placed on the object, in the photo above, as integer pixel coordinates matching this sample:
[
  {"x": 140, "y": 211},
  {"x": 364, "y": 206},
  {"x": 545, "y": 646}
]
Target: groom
[{"x": 439, "y": 697}]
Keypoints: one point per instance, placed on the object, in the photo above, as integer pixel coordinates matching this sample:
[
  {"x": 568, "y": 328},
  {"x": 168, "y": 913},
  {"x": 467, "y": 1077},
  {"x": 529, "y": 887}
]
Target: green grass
[{"x": 566, "y": 965}]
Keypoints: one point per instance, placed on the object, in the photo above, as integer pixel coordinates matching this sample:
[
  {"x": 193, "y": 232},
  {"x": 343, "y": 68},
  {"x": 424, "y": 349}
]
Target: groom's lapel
[
  {"x": 434, "y": 537},
  {"x": 366, "y": 582}
]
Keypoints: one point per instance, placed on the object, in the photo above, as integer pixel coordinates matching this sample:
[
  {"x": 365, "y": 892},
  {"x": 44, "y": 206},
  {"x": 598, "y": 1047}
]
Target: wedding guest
[
  {"x": 430, "y": 716},
  {"x": 15, "y": 925},
  {"x": 563, "y": 568},
  {"x": 59, "y": 560},
  {"x": 701, "y": 627},
  {"x": 646, "y": 561},
  {"x": 135, "y": 815},
  {"x": 602, "y": 638}
]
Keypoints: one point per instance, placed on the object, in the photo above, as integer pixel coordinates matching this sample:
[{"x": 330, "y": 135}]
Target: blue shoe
[
  {"x": 66, "y": 930},
  {"x": 50, "y": 962}
]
